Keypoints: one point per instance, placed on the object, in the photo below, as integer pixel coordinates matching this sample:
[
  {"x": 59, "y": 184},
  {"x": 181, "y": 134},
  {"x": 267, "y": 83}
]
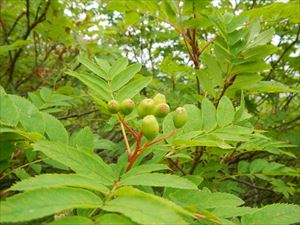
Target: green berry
[
  {"x": 127, "y": 106},
  {"x": 146, "y": 107},
  {"x": 180, "y": 117},
  {"x": 161, "y": 110},
  {"x": 113, "y": 106},
  {"x": 150, "y": 127},
  {"x": 159, "y": 98}
]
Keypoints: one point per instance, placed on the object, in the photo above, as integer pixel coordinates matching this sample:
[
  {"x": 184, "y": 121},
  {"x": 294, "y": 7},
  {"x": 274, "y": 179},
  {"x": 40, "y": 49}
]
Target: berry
[
  {"x": 159, "y": 98},
  {"x": 113, "y": 106},
  {"x": 127, "y": 106},
  {"x": 180, "y": 117},
  {"x": 146, "y": 107},
  {"x": 161, "y": 110},
  {"x": 150, "y": 127}
]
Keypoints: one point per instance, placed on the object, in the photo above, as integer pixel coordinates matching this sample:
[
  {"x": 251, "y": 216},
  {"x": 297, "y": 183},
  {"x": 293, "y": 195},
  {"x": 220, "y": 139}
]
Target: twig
[
  {"x": 77, "y": 115},
  {"x": 128, "y": 150},
  {"x": 251, "y": 185},
  {"x": 227, "y": 84},
  {"x": 20, "y": 167},
  {"x": 15, "y": 23},
  {"x": 140, "y": 150},
  {"x": 208, "y": 43},
  {"x": 198, "y": 155},
  {"x": 139, "y": 139},
  {"x": 283, "y": 53},
  {"x": 160, "y": 139},
  {"x": 38, "y": 20},
  {"x": 127, "y": 127},
  {"x": 177, "y": 166},
  {"x": 200, "y": 216}
]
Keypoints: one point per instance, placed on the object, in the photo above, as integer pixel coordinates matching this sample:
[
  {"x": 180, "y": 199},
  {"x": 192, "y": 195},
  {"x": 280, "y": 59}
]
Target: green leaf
[
  {"x": 211, "y": 140},
  {"x": 282, "y": 214},
  {"x": 200, "y": 200},
  {"x": 9, "y": 114},
  {"x": 44, "y": 202},
  {"x": 117, "y": 67},
  {"x": 133, "y": 88},
  {"x": 254, "y": 29},
  {"x": 104, "y": 65},
  {"x": 228, "y": 212},
  {"x": 239, "y": 113},
  {"x": 54, "y": 129},
  {"x": 158, "y": 180},
  {"x": 243, "y": 167},
  {"x": 262, "y": 38},
  {"x": 145, "y": 168},
  {"x": 213, "y": 69},
  {"x": 250, "y": 67},
  {"x": 207, "y": 83},
  {"x": 80, "y": 161},
  {"x": 194, "y": 122},
  {"x": 125, "y": 76},
  {"x": 113, "y": 219},
  {"x": 236, "y": 22},
  {"x": 209, "y": 118},
  {"x": 269, "y": 87},
  {"x": 259, "y": 52},
  {"x": 59, "y": 180},
  {"x": 98, "y": 85},
  {"x": 83, "y": 139},
  {"x": 257, "y": 165},
  {"x": 18, "y": 44},
  {"x": 92, "y": 67},
  {"x": 146, "y": 208},
  {"x": 72, "y": 220},
  {"x": 225, "y": 112},
  {"x": 30, "y": 117}
]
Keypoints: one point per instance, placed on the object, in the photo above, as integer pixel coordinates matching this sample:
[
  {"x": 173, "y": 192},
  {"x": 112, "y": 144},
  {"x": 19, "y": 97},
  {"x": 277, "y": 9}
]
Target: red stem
[
  {"x": 138, "y": 142},
  {"x": 140, "y": 150},
  {"x": 127, "y": 127}
]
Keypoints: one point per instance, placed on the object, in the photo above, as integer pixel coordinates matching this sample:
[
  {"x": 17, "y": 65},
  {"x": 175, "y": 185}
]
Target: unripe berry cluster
[{"x": 149, "y": 110}]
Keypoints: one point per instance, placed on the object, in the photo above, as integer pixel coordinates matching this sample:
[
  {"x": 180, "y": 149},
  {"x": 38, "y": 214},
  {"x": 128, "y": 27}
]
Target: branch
[
  {"x": 128, "y": 150},
  {"x": 283, "y": 53},
  {"x": 177, "y": 166},
  {"x": 15, "y": 23},
  {"x": 28, "y": 13},
  {"x": 197, "y": 157},
  {"x": 227, "y": 84},
  {"x": 77, "y": 115},
  {"x": 208, "y": 43},
  {"x": 127, "y": 127},
  {"x": 140, "y": 150},
  {"x": 200, "y": 216},
  {"x": 251, "y": 185},
  {"x": 159, "y": 139},
  {"x": 38, "y": 20}
]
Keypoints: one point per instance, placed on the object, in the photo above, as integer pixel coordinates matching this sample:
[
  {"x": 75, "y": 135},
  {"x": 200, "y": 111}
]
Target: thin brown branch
[
  {"x": 15, "y": 23},
  {"x": 38, "y": 20},
  {"x": 283, "y": 54},
  {"x": 227, "y": 84},
  {"x": 198, "y": 154},
  {"x": 77, "y": 115},
  {"x": 177, "y": 166},
  {"x": 251, "y": 185}
]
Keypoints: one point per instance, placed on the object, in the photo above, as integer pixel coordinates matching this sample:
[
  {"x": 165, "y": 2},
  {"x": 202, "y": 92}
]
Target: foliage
[{"x": 83, "y": 142}]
